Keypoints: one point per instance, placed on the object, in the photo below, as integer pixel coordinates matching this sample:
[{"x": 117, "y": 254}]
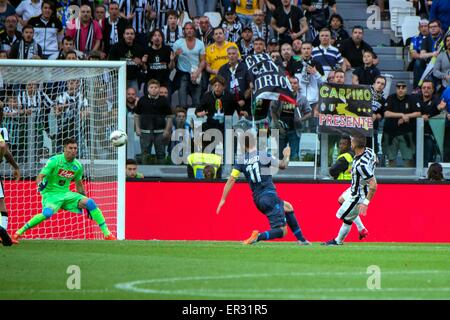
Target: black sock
[
  {"x": 271, "y": 234},
  {"x": 293, "y": 225}
]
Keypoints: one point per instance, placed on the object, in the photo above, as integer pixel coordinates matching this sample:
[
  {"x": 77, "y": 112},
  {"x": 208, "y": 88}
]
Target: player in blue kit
[{"x": 256, "y": 167}]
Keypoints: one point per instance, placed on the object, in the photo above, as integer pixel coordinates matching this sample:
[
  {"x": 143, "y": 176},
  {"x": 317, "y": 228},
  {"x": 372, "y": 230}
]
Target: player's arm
[
  {"x": 228, "y": 186},
  {"x": 372, "y": 189},
  {"x": 9, "y": 157}
]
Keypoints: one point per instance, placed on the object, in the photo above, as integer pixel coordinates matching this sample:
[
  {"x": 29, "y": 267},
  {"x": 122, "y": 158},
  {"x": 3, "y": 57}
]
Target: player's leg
[
  {"x": 347, "y": 213},
  {"x": 272, "y": 207},
  {"x": 3, "y": 211},
  {"x": 5, "y": 238},
  {"x": 47, "y": 212},
  {"x": 293, "y": 223},
  {"x": 363, "y": 233},
  {"x": 97, "y": 216}
]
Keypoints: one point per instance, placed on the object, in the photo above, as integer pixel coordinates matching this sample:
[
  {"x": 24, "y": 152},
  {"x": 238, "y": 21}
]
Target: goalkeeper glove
[{"x": 42, "y": 185}]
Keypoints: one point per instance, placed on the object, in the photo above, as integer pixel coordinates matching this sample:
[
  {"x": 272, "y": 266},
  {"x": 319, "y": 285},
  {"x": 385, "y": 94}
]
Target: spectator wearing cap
[
  {"x": 246, "y": 8},
  {"x": 400, "y": 126},
  {"x": 440, "y": 10},
  {"x": 245, "y": 43},
  {"x": 216, "y": 53},
  {"x": 231, "y": 25},
  {"x": 259, "y": 26},
  {"x": 273, "y": 45},
  {"x": 289, "y": 22},
  {"x": 352, "y": 49},
  {"x": 441, "y": 69},
  {"x": 417, "y": 65}
]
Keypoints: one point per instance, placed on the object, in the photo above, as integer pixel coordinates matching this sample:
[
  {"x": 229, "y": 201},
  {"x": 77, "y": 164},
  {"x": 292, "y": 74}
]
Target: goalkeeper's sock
[
  {"x": 97, "y": 215},
  {"x": 343, "y": 232},
  {"x": 359, "y": 223},
  {"x": 32, "y": 223},
  {"x": 4, "y": 222},
  {"x": 293, "y": 225},
  {"x": 271, "y": 234}
]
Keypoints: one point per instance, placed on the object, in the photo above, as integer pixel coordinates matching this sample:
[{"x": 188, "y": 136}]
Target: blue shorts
[{"x": 273, "y": 207}]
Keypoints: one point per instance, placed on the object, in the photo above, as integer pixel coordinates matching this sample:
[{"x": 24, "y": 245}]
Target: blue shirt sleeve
[{"x": 446, "y": 98}]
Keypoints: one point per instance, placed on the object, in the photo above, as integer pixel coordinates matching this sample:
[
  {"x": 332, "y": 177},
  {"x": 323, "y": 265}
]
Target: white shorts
[{"x": 349, "y": 208}]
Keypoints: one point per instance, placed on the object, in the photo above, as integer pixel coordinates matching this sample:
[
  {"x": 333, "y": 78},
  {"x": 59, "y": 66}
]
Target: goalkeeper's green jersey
[{"x": 59, "y": 173}]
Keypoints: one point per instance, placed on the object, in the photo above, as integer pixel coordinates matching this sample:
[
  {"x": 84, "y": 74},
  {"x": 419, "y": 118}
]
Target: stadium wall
[{"x": 187, "y": 211}]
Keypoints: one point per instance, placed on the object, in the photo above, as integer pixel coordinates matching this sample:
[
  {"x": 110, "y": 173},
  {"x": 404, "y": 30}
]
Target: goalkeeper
[{"x": 53, "y": 183}]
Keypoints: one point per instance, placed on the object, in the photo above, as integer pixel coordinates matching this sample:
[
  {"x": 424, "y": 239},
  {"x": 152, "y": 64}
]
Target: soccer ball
[{"x": 118, "y": 138}]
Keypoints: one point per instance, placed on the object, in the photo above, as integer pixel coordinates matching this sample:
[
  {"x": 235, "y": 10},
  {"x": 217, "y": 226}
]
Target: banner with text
[{"x": 345, "y": 110}]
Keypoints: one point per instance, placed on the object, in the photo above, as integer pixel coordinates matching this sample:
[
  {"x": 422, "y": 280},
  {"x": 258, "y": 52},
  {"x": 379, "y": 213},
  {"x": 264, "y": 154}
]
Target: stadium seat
[
  {"x": 399, "y": 10},
  {"x": 409, "y": 27},
  {"x": 214, "y": 18},
  {"x": 387, "y": 89}
]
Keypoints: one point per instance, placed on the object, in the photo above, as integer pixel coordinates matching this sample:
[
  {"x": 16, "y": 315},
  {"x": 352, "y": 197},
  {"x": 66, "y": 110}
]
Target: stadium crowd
[{"x": 181, "y": 69}]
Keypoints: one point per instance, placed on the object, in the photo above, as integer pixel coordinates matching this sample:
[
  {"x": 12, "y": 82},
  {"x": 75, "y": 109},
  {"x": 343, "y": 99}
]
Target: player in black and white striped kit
[{"x": 355, "y": 200}]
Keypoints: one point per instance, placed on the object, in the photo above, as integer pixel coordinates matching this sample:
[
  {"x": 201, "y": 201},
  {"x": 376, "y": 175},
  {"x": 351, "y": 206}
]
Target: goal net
[{"x": 45, "y": 102}]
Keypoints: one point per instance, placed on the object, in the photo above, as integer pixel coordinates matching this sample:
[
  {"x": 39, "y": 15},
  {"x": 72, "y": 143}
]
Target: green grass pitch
[{"x": 223, "y": 270}]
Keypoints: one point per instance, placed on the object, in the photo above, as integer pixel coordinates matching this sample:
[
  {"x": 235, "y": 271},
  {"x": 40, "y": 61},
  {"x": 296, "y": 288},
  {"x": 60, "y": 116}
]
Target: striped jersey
[
  {"x": 363, "y": 169},
  {"x": 162, "y": 7},
  {"x": 138, "y": 8},
  {"x": 330, "y": 58}
]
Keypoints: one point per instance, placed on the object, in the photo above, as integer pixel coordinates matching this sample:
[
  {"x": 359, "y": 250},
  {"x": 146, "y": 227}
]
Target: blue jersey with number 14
[{"x": 256, "y": 168}]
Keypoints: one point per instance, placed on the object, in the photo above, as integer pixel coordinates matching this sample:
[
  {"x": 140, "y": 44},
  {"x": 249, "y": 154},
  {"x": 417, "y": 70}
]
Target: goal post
[{"x": 45, "y": 102}]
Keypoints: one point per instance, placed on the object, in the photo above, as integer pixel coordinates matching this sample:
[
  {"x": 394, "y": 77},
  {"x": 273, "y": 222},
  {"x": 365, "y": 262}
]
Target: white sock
[
  {"x": 343, "y": 232},
  {"x": 5, "y": 222},
  {"x": 359, "y": 223}
]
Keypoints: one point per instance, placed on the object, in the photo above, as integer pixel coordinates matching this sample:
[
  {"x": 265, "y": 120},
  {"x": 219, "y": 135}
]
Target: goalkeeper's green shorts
[{"x": 66, "y": 201}]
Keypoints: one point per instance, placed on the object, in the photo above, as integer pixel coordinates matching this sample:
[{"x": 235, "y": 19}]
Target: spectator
[
  {"x": 440, "y": 10},
  {"x": 28, "y": 9},
  {"x": 310, "y": 76},
  {"x": 367, "y": 73},
  {"x": 441, "y": 69},
  {"x": 297, "y": 49},
  {"x": 164, "y": 92},
  {"x": 430, "y": 45},
  {"x": 66, "y": 11},
  {"x": 245, "y": 43},
  {"x": 434, "y": 173},
  {"x": 338, "y": 32},
  {"x": 130, "y": 51},
  {"x": 205, "y": 32},
  {"x": 246, "y": 8},
  {"x": 70, "y": 110},
  {"x": 341, "y": 169},
  {"x": 445, "y": 99},
  {"x": 48, "y": 29},
  {"x": 27, "y": 47},
  {"x": 231, "y": 25},
  {"x": 429, "y": 107},
  {"x": 400, "y": 126},
  {"x": 114, "y": 27},
  {"x": 153, "y": 124},
  {"x": 100, "y": 15},
  {"x": 162, "y": 8},
  {"x": 259, "y": 27},
  {"x": 9, "y": 34},
  {"x": 70, "y": 55},
  {"x": 417, "y": 65},
  {"x": 259, "y": 46},
  {"x": 215, "y": 105},
  {"x": 6, "y": 10},
  {"x": 67, "y": 46},
  {"x": 378, "y": 108},
  {"x": 290, "y": 121},
  {"x": 37, "y": 105},
  {"x": 87, "y": 33},
  {"x": 352, "y": 49},
  {"x": 216, "y": 53},
  {"x": 289, "y": 22},
  {"x": 158, "y": 59},
  {"x": 202, "y": 165},
  {"x": 14, "y": 120},
  {"x": 137, "y": 14},
  {"x": 131, "y": 169},
  {"x": 326, "y": 55},
  {"x": 132, "y": 100},
  {"x": 318, "y": 13},
  {"x": 172, "y": 31},
  {"x": 273, "y": 46},
  {"x": 181, "y": 133},
  {"x": 190, "y": 62}
]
